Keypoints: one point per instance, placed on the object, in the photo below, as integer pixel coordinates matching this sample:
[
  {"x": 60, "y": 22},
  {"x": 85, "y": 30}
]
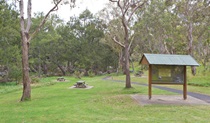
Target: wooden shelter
[{"x": 167, "y": 69}]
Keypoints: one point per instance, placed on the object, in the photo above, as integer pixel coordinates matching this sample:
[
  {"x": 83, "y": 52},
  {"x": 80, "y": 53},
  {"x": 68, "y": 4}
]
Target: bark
[
  {"x": 127, "y": 54},
  {"x": 190, "y": 45},
  {"x": 188, "y": 13},
  {"x": 26, "y": 38},
  {"x": 190, "y": 39},
  {"x": 25, "y": 48},
  {"x": 26, "y": 79},
  {"x": 62, "y": 70},
  {"x": 125, "y": 19}
]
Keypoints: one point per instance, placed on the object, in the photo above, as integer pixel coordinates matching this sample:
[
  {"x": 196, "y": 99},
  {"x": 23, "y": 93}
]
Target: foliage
[
  {"x": 86, "y": 42},
  {"x": 15, "y": 73},
  {"x": 35, "y": 79},
  {"x": 71, "y": 46},
  {"x": 9, "y": 41},
  {"x": 91, "y": 73},
  {"x": 164, "y": 28},
  {"x": 78, "y": 74}
]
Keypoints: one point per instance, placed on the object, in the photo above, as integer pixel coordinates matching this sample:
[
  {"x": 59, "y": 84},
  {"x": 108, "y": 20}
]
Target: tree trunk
[
  {"x": 127, "y": 55},
  {"x": 190, "y": 45},
  {"x": 127, "y": 66},
  {"x": 25, "y": 48},
  {"x": 190, "y": 39},
  {"x": 25, "y": 43},
  {"x": 62, "y": 70},
  {"x": 25, "y": 68},
  {"x": 125, "y": 19}
]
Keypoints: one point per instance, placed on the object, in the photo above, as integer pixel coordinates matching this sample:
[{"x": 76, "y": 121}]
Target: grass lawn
[
  {"x": 106, "y": 102},
  {"x": 199, "y": 83}
]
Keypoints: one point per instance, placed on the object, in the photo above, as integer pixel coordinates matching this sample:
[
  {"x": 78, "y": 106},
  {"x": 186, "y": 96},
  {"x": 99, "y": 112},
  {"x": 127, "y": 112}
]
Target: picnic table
[
  {"x": 60, "y": 79},
  {"x": 80, "y": 84}
]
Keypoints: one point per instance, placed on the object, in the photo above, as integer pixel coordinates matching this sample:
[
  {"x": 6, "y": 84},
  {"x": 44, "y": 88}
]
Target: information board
[{"x": 167, "y": 74}]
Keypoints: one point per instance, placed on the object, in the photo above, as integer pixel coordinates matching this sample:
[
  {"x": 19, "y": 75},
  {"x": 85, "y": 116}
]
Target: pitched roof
[{"x": 168, "y": 59}]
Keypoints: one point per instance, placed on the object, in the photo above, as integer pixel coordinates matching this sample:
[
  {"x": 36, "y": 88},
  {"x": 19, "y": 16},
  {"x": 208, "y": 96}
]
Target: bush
[
  {"x": 78, "y": 74},
  {"x": 15, "y": 73},
  {"x": 35, "y": 79},
  {"x": 91, "y": 73}
]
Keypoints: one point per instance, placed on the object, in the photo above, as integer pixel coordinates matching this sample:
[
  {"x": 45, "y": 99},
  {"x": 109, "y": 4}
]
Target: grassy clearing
[
  {"x": 199, "y": 83},
  {"x": 200, "y": 79},
  {"x": 106, "y": 102},
  {"x": 9, "y": 87}
]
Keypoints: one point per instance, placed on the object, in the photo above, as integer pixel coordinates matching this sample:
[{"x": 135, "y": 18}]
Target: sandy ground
[
  {"x": 167, "y": 100},
  {"x": 88, "y": 87}
]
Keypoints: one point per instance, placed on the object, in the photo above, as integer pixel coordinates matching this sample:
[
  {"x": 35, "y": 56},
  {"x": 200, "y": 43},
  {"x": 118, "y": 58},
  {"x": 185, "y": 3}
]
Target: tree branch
[
  {"x": 21, "y": 4},
  {"x": 134, "y": 10},
  {"x": 29, "y": 16},
  {"x": 116, "y": 41},
  {"x": 44, "y": 20},
  {"x": 132, "y": 39},
  {"x": 113, "y": 0},
  {"x": 126, "y": 7},
  {"x": 118, "y": 4}
]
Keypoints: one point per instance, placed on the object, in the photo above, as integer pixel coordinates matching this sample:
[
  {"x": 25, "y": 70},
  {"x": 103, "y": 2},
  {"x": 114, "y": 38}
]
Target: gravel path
[{"x": 202, "y": 97}]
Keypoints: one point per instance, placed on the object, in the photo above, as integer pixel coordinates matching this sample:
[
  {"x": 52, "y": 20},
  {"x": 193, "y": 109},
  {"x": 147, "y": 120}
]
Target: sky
[{"x": 64, "y": 11}]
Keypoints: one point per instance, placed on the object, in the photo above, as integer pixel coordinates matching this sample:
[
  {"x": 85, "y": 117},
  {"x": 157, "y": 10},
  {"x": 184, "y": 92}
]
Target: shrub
[
  {"x": 78, "y": 74},
  {"x": 91, "y": 73},
  {"x": 35, "y": 79}
]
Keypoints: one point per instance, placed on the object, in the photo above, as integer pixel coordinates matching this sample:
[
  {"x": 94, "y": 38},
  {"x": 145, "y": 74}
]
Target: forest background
[{"x": 86, "y": 45}]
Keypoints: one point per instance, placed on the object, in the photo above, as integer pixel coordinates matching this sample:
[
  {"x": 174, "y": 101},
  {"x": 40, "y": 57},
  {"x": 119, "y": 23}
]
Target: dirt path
[{"x": 203, "y": 97}]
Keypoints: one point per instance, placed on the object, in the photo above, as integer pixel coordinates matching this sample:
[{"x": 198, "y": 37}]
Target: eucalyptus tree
[
  {"x": 26, "y": 37},
  {"x": 192, "y": 15},
  {"x": 158, "y": 30},
  {"x": 127, "y": 10},
  {"x": 113, "y": 31},
  {"x": 174, "y": 27}
]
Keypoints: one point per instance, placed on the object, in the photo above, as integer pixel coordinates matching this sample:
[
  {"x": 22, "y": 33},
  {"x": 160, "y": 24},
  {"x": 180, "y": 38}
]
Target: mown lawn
[
  {"x": 106, "y": 102},
  {"x": 199, "y": 83}
]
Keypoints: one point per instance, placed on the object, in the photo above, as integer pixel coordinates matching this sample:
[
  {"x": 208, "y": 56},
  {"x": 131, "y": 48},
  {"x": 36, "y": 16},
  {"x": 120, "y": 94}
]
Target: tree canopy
[{"x": 91, "y": 43}]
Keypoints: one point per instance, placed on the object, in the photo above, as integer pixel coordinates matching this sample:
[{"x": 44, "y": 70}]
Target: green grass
[
  {"x": 9, "y": 87},
  {"x": 199, "y": 83},
  {"x": 106, "y": 102},
  {"x": 201, "y": 78}
]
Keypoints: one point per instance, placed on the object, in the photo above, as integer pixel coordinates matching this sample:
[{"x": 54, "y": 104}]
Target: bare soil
[{"x": 167, "y": 100}]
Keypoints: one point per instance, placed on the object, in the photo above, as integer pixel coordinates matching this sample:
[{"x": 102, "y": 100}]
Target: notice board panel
[{"x": 167, "y": 74}]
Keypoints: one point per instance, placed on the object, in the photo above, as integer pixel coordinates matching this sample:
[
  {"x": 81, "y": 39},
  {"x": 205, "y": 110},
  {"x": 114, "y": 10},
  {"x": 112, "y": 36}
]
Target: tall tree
[
  {"x": 26, "y": 38},
  {"x": 191, "y": 13},
  {"x": 127, "y": 9}
]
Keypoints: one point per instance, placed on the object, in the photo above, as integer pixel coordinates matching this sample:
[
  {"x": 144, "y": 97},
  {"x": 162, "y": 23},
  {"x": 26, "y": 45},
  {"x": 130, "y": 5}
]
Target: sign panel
[{"x": 167, "y": 74}]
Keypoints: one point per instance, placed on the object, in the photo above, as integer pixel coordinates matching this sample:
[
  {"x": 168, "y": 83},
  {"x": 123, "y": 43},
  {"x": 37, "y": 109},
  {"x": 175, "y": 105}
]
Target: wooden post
[
  {"x": 150, "y": 82},
  {"x": 185, "y": 83}
]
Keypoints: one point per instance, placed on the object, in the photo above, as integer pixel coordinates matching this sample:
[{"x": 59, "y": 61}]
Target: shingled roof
[{"x": 168, "y": 59}]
